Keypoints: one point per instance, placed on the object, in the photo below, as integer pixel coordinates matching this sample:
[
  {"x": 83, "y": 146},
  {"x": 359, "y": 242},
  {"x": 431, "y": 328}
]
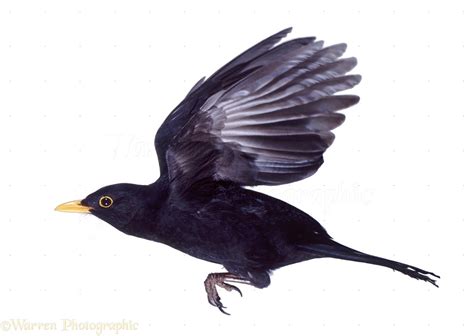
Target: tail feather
[{"x": 339, "y": 251}]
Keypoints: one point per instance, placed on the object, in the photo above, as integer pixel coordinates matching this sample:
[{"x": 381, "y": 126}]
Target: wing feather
[{"x": 266, "y": 117}]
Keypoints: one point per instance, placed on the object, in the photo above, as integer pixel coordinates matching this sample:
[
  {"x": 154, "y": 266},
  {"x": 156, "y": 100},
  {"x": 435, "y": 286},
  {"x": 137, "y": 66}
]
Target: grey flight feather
[{"x": 265, "y": 118}]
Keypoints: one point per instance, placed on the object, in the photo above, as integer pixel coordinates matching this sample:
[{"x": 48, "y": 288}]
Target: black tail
[{"x": 336, "y": 250}]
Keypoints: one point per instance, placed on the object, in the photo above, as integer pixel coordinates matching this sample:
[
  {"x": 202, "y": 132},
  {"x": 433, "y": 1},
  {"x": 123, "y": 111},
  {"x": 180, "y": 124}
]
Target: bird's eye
[{"x": 106, "y": 202}]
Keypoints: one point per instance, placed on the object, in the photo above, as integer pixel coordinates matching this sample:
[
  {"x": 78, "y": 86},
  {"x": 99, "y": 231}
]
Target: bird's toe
[
  {"x": 215, "y": 300},
  {"x": 230, "y": 288}
]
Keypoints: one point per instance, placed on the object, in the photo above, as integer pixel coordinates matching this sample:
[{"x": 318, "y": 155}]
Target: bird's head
[{"x": 117, "y": 204}]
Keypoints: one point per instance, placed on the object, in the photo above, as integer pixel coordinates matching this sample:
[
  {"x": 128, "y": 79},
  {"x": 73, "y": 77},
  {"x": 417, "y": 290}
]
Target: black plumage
[{"x": 265, "y": 118}]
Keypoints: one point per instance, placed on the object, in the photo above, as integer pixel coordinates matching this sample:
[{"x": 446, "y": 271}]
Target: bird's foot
[{"x": 219, "y": 279}]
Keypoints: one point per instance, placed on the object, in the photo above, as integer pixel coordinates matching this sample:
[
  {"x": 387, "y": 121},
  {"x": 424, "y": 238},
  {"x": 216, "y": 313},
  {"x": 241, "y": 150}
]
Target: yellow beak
[{"x": 74, "y": 206}]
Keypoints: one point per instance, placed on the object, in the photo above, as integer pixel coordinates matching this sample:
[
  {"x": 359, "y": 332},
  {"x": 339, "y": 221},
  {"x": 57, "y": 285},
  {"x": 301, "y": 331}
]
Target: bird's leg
[{"x": 219, "y": 279}]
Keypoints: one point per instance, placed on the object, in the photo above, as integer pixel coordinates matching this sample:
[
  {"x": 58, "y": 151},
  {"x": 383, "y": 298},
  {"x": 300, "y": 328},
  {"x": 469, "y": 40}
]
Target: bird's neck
[{"x": 145, "y": 222}]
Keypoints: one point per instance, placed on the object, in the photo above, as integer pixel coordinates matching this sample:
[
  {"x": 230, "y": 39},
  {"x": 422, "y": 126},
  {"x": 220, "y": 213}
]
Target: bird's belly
[{"x": 220, "y": 239}]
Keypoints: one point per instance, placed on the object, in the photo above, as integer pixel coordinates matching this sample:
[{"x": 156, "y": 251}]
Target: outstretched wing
[{"x": 264, "y": 118}]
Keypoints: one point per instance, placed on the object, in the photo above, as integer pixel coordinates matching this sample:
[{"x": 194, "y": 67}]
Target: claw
[
  {"x": 219, "y": 304},
  {"x": 223, "y": 311},
  {"x": 218, "y": 279},
  {"x": 231, "y": 288},
  {"x": 216, "y": 302}
]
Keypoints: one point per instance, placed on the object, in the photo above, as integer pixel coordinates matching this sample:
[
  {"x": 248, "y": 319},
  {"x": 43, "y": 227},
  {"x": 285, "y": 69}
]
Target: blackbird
[{"x": 264, "y": 118}]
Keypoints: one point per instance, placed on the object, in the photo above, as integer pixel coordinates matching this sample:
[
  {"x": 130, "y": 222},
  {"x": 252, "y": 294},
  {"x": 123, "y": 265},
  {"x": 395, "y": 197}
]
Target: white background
[{"x": 85, "y": 84}]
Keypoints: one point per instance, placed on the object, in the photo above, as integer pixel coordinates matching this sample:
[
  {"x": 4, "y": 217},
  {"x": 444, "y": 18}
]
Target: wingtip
[
  {"x": 346, "y": 100},
  {"x": 352, "y": 99},
  {"x": 283, "y": 33},
  {"x": 343, "y": 46},
  {"x": 358, "y": 78},
  {"x": 353, "y": 61}
]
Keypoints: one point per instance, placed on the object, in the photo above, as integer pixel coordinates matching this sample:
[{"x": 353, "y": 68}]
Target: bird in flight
[{"x": 264, "y": 118}]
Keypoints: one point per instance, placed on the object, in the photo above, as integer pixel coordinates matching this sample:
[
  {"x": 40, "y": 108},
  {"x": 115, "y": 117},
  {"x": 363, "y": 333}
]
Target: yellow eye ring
[{"x": 106, "y": 202}]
